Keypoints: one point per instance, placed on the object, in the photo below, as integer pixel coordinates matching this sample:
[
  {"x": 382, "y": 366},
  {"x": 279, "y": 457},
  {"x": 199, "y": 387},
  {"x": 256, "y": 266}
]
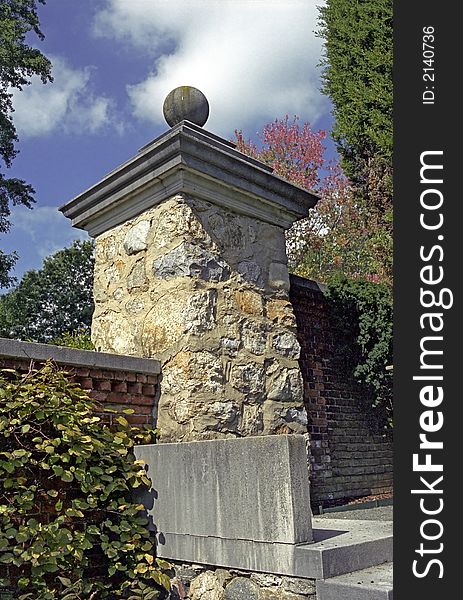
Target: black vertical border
[{"x": 419, "y": 128}]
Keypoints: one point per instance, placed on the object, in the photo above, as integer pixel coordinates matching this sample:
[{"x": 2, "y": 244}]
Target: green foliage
[
  {"x": 358, "y": 78},
  {"x": 7, "y": 262},
  {"x": 54, "y": 301},
  {"x": 69, "y": 528},
  {"x": 334, "y": 237},
  {"x": 80, "y": 339},
  {"x": 366, "y": 308},
  {"x": 18, "y": 62}
]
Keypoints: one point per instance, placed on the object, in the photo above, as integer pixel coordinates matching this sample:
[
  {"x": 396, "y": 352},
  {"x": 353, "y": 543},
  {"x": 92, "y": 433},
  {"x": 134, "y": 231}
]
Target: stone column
[{"x": 191, "y": 269}]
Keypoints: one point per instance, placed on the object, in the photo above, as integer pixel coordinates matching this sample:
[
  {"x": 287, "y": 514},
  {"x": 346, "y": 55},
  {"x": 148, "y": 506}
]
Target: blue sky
[{"x": 114, "y": 63}]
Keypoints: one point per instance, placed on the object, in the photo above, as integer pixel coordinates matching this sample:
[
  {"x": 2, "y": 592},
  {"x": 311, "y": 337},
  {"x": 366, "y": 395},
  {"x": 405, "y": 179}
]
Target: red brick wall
[
  {"x": 115, "y": 389},
  {"x": 350, "y": 459}
]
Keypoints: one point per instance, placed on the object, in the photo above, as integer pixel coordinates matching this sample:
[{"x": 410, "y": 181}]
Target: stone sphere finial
[{"x": 186, "y": 103}]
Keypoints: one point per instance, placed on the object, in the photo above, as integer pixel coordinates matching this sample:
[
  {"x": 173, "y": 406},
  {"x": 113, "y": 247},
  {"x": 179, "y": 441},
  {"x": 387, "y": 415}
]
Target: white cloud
[
  {"x": 254, "y": 59},
  {"x": 38, "y": 233},
  {"x": 67, "y": 104}
]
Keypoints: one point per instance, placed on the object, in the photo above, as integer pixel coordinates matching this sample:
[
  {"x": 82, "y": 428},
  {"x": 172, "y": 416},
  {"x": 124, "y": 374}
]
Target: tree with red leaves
[{"x": 335, "y": 237}]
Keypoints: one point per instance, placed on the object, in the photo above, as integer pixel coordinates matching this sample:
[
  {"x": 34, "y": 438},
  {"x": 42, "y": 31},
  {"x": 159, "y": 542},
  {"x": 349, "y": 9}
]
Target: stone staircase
[{"x": 350, "y": 559}]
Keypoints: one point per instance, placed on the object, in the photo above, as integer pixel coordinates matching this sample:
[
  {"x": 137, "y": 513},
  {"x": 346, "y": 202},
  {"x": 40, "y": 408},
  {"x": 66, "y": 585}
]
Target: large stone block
[
  {"x": 136, "y": 238},
  {"x": 254, "y": 489},
  {"x": 242, "y": 587},
  {"x": 188, "y": 260}
]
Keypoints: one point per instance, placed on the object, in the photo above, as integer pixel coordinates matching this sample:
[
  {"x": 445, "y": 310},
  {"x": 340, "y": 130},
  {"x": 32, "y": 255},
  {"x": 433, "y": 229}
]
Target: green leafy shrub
[
  {"x": 69, "y": 528},
  {"x": 80, "y": 339},
  {"x": 365, "y": 308}
]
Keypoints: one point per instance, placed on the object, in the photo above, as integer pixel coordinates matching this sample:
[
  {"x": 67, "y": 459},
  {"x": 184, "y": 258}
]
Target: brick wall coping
[
  {"x": 78, "y": 358},
  {"x": 309, "y": 284}
]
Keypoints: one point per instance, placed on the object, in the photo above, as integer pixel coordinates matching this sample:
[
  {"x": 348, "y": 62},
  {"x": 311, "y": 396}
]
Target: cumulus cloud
[
  {"x": 39, "y": 233},
  {"x": 67, "y": 104},
  {"x": 254, "y": 59}
]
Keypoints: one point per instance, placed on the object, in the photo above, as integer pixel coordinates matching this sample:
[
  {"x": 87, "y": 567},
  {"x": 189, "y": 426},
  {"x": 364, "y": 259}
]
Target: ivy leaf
[
  {"x": 3, "y": 544},
  {"x": 7, "y": 557}
]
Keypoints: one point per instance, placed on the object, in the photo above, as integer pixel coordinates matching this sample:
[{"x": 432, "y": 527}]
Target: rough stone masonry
[
  {"x": 191, "y": 269},
  {"x": 206, "y": 292}
]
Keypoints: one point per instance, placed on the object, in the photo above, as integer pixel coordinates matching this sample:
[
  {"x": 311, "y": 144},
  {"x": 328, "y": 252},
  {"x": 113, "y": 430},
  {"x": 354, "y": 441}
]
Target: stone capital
[{"x": 188, "y": 159}]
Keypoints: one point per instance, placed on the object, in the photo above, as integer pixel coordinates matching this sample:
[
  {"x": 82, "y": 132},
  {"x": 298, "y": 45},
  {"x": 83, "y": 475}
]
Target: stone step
[
  {"x": 340, "y": 546},
  {"x": 374, "y": 583},
  {"x": 343, "y": 546}
]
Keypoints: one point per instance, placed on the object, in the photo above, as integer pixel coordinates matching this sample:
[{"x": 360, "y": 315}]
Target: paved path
[{"x": 382, "y": 513}]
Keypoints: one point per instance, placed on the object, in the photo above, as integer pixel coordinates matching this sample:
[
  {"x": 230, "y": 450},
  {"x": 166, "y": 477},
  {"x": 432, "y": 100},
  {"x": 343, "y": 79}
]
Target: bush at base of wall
[{"x": 68, "y": 527}]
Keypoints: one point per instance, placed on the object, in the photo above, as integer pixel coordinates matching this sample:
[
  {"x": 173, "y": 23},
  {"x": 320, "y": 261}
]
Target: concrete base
[
  {"x": 374, "y": 583},
  {"x": 241, "y": 493},
  {"x": 244, "y": 504},
  {"x": 339, "y": 547}
]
